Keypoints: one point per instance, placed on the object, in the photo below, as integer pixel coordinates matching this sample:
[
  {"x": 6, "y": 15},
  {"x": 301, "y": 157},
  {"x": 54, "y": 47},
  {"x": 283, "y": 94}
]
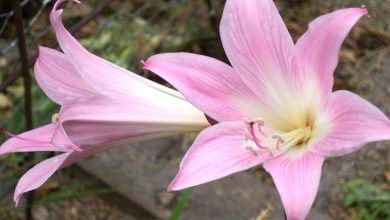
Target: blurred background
[{"x": 129, "y": 182}]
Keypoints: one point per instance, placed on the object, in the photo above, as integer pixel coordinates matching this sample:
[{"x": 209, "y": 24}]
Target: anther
[
  {"x": 260, "y": 122},
  {"x": 252, "y": 150},
  {"x": 279, "y": 141},
  {"x": 54, "y": 118},
  {"x": 278, "y": 137}
]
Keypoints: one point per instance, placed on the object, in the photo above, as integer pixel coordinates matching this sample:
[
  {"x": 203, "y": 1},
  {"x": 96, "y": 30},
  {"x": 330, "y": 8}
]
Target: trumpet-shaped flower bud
[{"x": 102, "y": 106}]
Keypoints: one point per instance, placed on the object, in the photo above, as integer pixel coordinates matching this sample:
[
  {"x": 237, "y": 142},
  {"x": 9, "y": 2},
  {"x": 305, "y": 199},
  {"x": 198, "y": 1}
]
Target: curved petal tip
[
  {"x": 175, "y": 184},
  {"x": 364, "y": 11},
  {"x": 38, "y": 175},
  {"x": 56, "y": 13},
  {"x": 61, "y": 1}
]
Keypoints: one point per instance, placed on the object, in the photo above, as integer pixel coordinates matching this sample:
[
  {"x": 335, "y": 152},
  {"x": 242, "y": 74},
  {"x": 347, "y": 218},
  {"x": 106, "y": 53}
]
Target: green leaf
[
  {"x": 180, "y": 205},
  {"x": 366, "y": 201}
]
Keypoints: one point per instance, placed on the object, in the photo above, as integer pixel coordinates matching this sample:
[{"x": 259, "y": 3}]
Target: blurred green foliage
[
  {"x": 74, "y": 191},
  {"x": 366, "y": 201},
  {"x": 180, "y": 205},
  {"x": 127, "y": 37},
  {"x": 43, "y": 109}
]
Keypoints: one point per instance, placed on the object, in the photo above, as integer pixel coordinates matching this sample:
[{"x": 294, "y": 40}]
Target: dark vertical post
[
  {"x": 214, "y": 22},
  {"x": 213, "y": 17},
  {"x": 27, "y": 86}
]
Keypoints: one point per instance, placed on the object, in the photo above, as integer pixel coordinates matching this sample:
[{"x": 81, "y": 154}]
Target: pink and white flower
[
  {"x": 274, "y": 104},
  {"x": 102, "y": 106}
]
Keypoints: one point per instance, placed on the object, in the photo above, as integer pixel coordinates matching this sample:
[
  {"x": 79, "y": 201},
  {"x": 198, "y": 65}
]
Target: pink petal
[
  {"x": 89, "y": 150},
  {"x": 41, "y": 172},
  {"x": 98, "y": 132},
  {"x": 354, "y": 122},
  {"x": 38, "y": 175},
  {"x": 297, "y": 181},
  {"x": 207, "y": 83},
  {"x": 257, "y": 44},
  {"x": 97, "y": 72},
  {"x": 131, "y": 102},
  {"x": 35, "y": 140},
  {"x": 102, "y": 120},
  {"x": 316, "y": 52},
  {"x": 57, "y": 77},
  {"x": 218, "y": 151},
  {"x": 60, "y": 138}
]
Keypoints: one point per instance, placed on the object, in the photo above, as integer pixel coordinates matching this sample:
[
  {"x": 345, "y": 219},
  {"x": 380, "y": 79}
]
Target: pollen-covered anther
[{"x": 54, "y": 118}]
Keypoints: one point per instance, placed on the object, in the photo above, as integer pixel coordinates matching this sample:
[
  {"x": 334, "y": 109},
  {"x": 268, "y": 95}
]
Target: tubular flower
[
  {"x": 102, "y": 106},
  {"x": 274, "y": 104}
]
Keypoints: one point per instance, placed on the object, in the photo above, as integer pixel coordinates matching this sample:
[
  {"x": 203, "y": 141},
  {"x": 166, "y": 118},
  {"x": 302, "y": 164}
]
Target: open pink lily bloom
[
  {"x": 274, "y": 105},
  {"x": 102, "y": 106}
]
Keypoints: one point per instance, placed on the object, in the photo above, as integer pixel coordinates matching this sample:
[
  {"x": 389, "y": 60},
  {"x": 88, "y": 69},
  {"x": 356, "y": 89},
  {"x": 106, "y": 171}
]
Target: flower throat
[{"x": 275, "y": 142}]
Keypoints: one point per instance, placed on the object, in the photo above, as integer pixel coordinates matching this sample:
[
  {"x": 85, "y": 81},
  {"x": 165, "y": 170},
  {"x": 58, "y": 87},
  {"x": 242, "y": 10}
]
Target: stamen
[
  {"x": 252, "y": 150},
  {"x": 271, "y": 154},
  {"x": 279, "y": 141},
  {"x": 246, "y": 136},
  {"x": 251, "y": 131},
  {"x": 257, "y": 133},
  {"x": 21, "y": 138},
  {"x": 259, "y": 127},
  {"x": 260, "y": 122},
  {"x": 298, "y": 135},
  {"x": 278, "y": 144}
]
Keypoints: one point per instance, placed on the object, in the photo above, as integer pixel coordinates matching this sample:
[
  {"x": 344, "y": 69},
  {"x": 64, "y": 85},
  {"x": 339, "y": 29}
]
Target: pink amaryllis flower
[
  {"x": 274, "y": 105},
  {"x": 102, "y": 106}
]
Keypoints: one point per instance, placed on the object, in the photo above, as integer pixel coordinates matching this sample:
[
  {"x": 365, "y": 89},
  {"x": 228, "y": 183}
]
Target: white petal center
[{"x": 289, "y": 122}]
